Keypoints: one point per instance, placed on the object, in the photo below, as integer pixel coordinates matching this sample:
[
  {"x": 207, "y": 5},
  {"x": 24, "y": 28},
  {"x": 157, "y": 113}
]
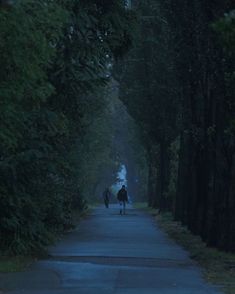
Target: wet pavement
[{"x": 113, "y": 254}]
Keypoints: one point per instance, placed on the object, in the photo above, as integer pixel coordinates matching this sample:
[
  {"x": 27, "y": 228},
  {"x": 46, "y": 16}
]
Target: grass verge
[
  {"x": 14, "y": 264},
  {"x": 219, "y": 267}
]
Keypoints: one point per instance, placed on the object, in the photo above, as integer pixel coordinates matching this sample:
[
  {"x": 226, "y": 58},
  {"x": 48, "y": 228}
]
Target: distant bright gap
[{"x": 121, "y": 179}]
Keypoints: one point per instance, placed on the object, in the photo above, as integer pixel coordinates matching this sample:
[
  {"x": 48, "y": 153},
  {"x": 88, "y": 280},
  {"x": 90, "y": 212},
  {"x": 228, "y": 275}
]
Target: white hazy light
[{"x": 121, "y": 179}]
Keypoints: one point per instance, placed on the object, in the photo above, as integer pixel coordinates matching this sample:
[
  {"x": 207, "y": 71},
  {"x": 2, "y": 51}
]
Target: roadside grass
[
  {"x": 140, "y": 205},
  {"x": 93, "y": 205},
  {"x": 14, "y": 264},
  {"x": 144, "y": 206},
  {"x": 219, "y": 267}
]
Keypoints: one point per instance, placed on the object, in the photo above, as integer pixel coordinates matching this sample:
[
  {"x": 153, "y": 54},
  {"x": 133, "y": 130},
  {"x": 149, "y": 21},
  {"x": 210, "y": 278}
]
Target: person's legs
[
  {"x": 121, "y": 204},
  {"x": 105, "y": 203},
  {"x": 124, "y": 207}
]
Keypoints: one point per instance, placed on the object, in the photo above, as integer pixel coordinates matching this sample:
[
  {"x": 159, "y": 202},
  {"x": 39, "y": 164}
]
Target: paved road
[{"x": 112, "y": 254}]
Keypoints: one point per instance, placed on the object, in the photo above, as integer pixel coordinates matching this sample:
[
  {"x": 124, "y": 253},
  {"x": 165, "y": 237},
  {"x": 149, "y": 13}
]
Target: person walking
[
  {"x": 122, "y": 198},
  {"x": 106, "y": 197}
]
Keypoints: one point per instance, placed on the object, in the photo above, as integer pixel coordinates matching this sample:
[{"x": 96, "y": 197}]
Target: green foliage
[
  {"x": 95, "y": 153},
  {"x": 14, "y": 264},
  {"x": 54, "y": 54},
  {"x": 226, "y": 28}
]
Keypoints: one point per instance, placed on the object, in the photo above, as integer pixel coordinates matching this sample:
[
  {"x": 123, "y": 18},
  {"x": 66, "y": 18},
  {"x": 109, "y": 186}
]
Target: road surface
[{"x": 110, "y": 253}]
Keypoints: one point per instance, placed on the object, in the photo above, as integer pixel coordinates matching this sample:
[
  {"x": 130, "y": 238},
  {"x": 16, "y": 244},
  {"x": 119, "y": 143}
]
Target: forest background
[{"x": 174, "y": 64}]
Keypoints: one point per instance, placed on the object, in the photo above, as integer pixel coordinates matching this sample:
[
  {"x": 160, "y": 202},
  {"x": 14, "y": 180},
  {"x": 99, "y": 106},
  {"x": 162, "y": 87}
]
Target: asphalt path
[{"x": 110, "y": 253}]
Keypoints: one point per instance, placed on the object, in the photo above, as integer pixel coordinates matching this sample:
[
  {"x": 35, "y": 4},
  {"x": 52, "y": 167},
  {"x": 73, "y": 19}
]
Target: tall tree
[{"x": 178, "y": 83}]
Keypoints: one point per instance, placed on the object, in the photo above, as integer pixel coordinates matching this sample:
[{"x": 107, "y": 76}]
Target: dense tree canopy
[
  {"x": 53, "y": 67},
  {"x": 56, "y": 124}
]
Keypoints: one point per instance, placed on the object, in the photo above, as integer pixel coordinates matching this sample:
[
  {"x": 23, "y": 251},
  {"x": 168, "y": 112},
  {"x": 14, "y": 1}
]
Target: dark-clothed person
[{"x": 122, "y": 198}]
